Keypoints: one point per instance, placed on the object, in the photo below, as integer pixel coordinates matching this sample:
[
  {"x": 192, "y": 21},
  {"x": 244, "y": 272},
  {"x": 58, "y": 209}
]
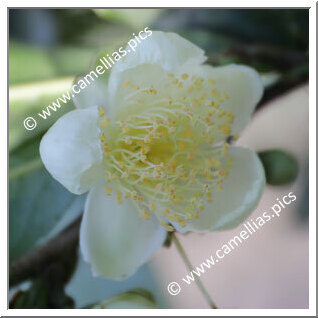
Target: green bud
[
  {"x": 134, "y": 299},
  {"x": 280, "y": 166}
]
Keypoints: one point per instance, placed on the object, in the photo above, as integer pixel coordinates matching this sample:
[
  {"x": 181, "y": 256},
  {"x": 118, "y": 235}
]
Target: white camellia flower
[{"x": 151, "y": 148}]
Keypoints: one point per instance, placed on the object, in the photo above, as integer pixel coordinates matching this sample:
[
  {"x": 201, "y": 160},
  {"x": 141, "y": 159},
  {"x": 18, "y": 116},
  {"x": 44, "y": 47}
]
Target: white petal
[
  {"x": 114, "y": 239},
  {"x": 93, "y": 94},
  {"x": 242, "y": 84},
  {"x": 169, "y": 50},
  {"x": 71, "y": 152},
  {"x": 122, "y": 98},
  {"x": 160, "y": 51},
  {"x": 240, "y": 194}
]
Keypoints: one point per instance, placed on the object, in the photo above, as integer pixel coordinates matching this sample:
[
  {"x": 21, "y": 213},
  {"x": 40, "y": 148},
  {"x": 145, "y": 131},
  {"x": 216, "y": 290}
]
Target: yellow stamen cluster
[{"x": 161, "y": 156}]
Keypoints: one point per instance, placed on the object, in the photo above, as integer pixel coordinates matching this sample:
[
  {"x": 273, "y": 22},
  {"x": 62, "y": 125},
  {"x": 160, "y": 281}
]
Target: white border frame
[{"x": 159, "y": 312}]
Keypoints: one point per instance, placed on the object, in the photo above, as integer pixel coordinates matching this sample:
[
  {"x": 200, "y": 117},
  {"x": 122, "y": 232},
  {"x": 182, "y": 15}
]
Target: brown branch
[
  {"x": 34, "y": 262},
  {"x": 276, "y": 57}
]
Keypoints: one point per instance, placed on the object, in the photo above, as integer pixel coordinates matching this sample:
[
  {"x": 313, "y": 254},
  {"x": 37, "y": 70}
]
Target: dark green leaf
[
  {"x": 37, "y": 203},
  {"x": 46, "y": 291}
]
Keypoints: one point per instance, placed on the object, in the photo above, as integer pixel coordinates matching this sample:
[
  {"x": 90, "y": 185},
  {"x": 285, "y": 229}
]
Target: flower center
[{"x": 162, "y": 156}]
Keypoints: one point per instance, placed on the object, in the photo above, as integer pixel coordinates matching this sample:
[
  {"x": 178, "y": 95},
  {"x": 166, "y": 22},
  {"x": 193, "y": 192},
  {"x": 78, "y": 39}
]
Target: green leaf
[
  {"x": 39, "y": 207},
  {"x": 212, "y": 43},
  {"x": 28, "y": 63},
  {"x": 25, "y": 159},
  {"x": 35, "y": 297},
  {"x": 37, "y": 203},
  {"x": 29, "y": 100},
  {"x": 134, "y": 299},
  {"x": 46, "y": 291},
  {"x": 287, "y": 27},
  {"x": 280, "y": 166},
  {"x": 136, "y": 18}
]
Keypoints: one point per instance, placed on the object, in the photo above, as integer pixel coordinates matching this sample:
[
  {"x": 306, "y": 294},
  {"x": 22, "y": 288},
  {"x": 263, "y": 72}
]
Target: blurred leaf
[
  {"x": 46, "y": 291},
  {"x": 280, "y": 166},
  {"x": 35, "y": 297},
  {"x": 25, "y": 158},
  {"x": 134, "y": 299},
  {"x": 39, "y": 206},
  {"x": 69, "y": 216},
  {"x": 287, "y": 27},
  {"x": 28, "y": 63},
  {"x": 29, "y": 100},
  {"x": 137, "y": 18},
  {"x": 37, "y": 203},
  {"x": 71, "y": 60},
  {"x": 211, "y": 42}
]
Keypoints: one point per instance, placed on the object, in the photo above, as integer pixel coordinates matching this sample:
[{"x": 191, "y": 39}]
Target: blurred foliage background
[{"x": 47, "y": 49}]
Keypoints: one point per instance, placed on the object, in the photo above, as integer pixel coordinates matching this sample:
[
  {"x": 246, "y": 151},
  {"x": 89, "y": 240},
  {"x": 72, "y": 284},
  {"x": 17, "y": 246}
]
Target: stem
[
  {"x": 190, "y": 268},
  {"x": 57, "y": 249}
]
